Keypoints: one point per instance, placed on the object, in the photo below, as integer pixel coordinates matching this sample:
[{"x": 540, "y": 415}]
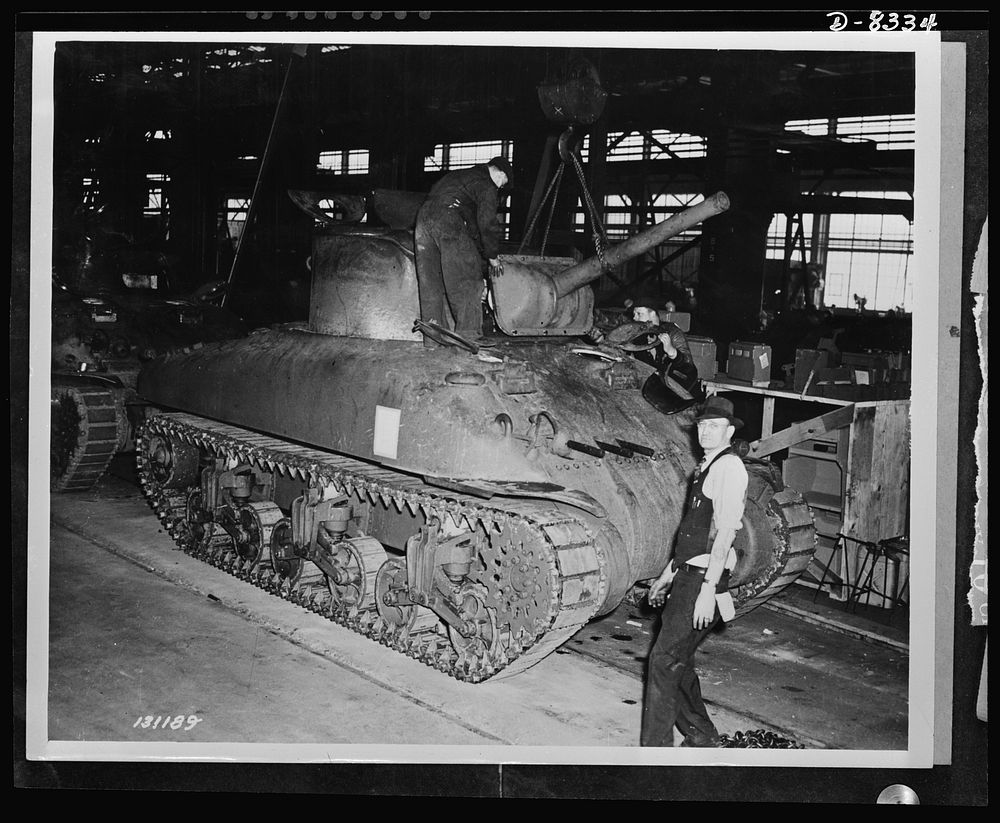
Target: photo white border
[{"x": 932, "y": 419}]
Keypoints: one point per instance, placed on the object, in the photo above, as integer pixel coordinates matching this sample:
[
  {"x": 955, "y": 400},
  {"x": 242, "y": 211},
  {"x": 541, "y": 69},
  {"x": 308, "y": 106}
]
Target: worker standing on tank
[
  {"x": 698, "y": 578},
  {"x": 457, "y": 239}
]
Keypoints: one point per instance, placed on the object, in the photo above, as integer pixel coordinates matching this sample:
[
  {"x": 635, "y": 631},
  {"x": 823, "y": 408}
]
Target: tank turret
[
  {"x": 539, "y": 295},
  {"x": 470, "y": 508}
]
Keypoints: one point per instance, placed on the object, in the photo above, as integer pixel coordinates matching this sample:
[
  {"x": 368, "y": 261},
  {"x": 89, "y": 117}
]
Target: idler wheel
[
  {"x": 516, "y": 581},
  {"x": 485, "y": 637},
  {"x": 286, "y": 564},
  {"x": 391, "y": 578},
  {"x": 170, "y": 465},
  {"x": 357, "y": 563}
]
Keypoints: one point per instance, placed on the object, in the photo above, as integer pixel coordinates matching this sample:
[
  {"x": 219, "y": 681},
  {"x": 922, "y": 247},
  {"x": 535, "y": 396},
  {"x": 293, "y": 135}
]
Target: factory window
[
  {"x": 618, "y": 216},
  {"x": 156, "y": 199},
  {"x": 350, "y": 161},
  {"x": 173, "y": 67},
  {"x": 888, "y": 131},
  {"x": 91, "y": 189},
  {"x": 676, "y": 259},
  {"x": 158, "y": 134},
  {"x": 867, "y": 256},
  {"x": 658, "y": 144},
  {"x": 236, "y": 211},
  {"x": 450, "y": 156},
  {"x": 235, "y": 57},
  {"x": 776, "y": 237},
  {"x": 622, "y": 218}
]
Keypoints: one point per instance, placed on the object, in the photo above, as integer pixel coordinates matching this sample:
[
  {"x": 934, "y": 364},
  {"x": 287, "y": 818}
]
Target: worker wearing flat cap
[
  {"x": 457, "y": 241},
  {"x": 693, "y": 588}
]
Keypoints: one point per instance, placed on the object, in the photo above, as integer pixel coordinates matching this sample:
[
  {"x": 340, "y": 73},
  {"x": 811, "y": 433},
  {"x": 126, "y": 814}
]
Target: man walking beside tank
[
  {"x": 698, "y": 578},
  {"x": 457, "y": 237}
]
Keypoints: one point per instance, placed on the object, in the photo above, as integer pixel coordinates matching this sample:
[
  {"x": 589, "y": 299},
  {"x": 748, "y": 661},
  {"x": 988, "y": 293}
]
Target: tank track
[
  {"x": 793, "y": 526},
  {"x": 570, "y": 566},
  {"x": 86, "y": 432}
]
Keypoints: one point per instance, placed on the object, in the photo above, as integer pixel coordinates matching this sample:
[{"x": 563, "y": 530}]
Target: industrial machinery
[
  {"x": 100, "y": 338},
  {"x": 469, "y": 507}
]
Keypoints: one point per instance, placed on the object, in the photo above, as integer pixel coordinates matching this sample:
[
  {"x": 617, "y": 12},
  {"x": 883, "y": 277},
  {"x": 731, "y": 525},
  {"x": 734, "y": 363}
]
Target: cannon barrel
[
  {"x": 541, "y": 296},
  {"x": 569, "y": 280}
]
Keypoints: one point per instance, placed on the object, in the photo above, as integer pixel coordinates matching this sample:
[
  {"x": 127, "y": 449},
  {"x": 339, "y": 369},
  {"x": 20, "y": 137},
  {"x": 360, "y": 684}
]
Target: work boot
[
  {"x": 702, "y": 742},
  {"x": 477, "y": 339}
]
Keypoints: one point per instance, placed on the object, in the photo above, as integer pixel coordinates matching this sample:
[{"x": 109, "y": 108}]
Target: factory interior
[{"x": 232, "y": 226}]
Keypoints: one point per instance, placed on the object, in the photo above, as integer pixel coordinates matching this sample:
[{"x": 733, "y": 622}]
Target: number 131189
[{"x": 177, "y": 723}]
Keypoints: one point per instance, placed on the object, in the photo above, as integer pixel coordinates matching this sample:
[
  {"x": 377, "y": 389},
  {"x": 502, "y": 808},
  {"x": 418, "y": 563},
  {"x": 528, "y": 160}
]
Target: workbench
[{"x": 851, "y": 463}]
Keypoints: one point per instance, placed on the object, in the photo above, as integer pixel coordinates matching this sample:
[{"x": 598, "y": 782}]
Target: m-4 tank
[{"x": 470, "y": 507}]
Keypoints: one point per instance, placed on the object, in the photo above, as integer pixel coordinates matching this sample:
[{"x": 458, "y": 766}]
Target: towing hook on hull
[{"x": 558, "y": 441}]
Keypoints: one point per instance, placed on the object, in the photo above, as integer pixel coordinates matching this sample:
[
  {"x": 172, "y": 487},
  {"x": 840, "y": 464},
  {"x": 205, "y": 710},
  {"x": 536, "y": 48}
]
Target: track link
[
  {"x": 570, "y": 579},
  {"x": 793, "y": 525},
  {"x": 86, "y": 431}
]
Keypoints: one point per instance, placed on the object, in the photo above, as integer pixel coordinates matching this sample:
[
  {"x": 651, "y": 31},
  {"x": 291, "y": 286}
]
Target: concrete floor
[{"x": 138, "y": 629}]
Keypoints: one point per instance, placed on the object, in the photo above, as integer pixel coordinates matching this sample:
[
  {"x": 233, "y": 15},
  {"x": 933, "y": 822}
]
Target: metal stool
[
  {"x": 826, "y": 566},
  {"x": 892, "y": 551}
]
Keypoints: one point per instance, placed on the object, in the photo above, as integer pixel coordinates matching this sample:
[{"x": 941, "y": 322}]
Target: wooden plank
[
  {"x": 876, "y": 500},
  {"x": 836, "y": 625},
  {"x": 877, "y": 493},
  {"x": 893, "y": 461},
  {"x": 715, "y": 386},
  {"x": 804, "y": 430},
  {"x": 767, "y": 424}
]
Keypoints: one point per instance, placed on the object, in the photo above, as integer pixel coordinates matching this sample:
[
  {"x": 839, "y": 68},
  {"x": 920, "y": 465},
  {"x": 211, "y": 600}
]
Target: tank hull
[
  {"x": 547, "y": 421},
  {"x": 434, "y": 414}
]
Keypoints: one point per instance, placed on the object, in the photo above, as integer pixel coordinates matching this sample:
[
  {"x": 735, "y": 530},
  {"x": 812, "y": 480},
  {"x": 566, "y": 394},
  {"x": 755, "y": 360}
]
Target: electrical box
[
  {"x": 749, "y": 363},
  {"x": 705, "y": 356}
]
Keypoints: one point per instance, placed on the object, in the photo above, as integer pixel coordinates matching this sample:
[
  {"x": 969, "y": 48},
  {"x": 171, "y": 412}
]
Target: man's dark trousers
[
  {"x": 673, "y": 692},
  {"x": 449, "y": 271}
]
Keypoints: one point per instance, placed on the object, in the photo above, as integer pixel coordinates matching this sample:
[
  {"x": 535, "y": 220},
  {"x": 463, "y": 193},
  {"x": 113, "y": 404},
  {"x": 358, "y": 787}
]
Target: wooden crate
[
  {"x": 858, "y": 473},
  {"x": 877, "y": 493}
]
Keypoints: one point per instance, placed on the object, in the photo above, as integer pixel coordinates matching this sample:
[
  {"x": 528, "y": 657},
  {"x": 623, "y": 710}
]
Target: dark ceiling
[{"x": 373, "y": 93}]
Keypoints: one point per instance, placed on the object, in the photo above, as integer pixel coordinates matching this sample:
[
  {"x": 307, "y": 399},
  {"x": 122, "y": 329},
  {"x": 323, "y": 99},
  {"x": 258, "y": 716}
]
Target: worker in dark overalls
[
  {"x": 675, "y": 386},
  {"x": 457, "y": 240},
  {"x": 673, "y": 344},
  {"x": 698, "y": 578}
]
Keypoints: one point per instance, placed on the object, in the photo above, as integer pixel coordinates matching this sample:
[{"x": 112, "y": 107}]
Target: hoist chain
[
  {"x": 600, "y": 237},
  {"x": 553, "y": 191}
]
